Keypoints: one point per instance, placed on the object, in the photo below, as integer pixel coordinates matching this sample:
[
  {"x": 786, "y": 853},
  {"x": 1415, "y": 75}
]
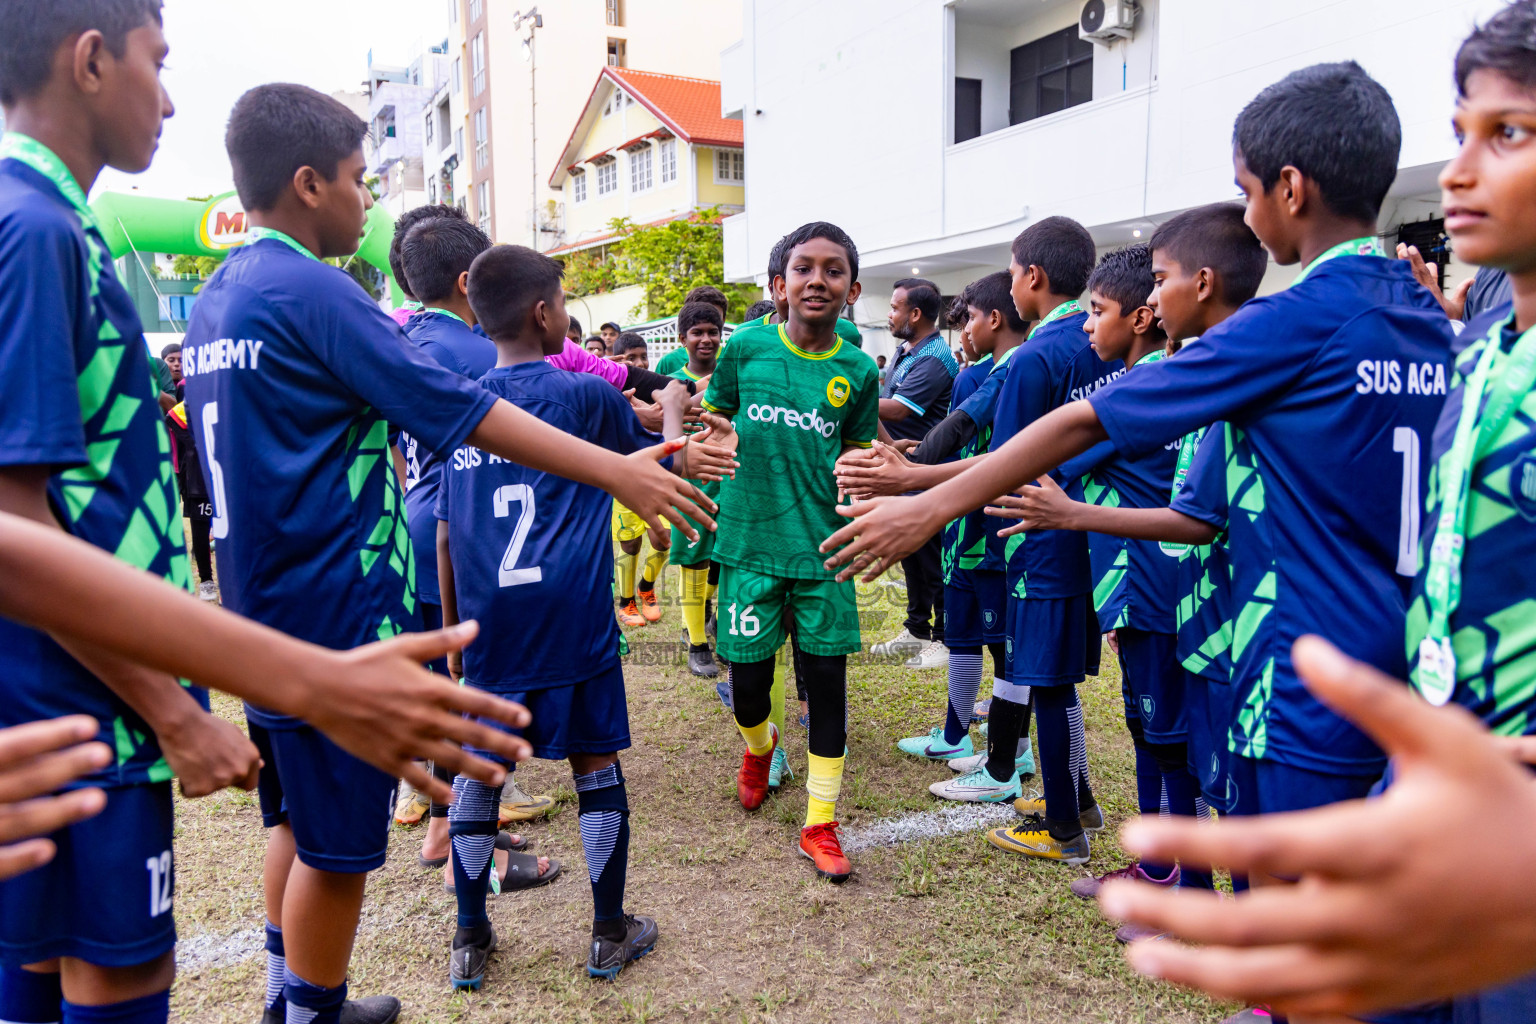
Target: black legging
[
  {"x": 202, "y": 546},
  {"x": 826, "y": 685}
]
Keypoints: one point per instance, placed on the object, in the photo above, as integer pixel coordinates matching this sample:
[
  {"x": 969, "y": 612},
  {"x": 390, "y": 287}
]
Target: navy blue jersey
[
  {"x": 1055, "y": 366},
  {"x": 1492, "y": 630},
  {"x": 532, "y": 561},
  {"x": 293, "y": 375},
  {"x": 921, "y": 381},
  {"x": 1336, "y": 384},
  {"x": 1204, "y": 613},
  {"x": 468, "y": 352},
  {"x": 967, "y": 381},
  {"x": 981, "y": 407},
  {"x": 1134, "y": 581},
  {"x": 77, "y": 398}
]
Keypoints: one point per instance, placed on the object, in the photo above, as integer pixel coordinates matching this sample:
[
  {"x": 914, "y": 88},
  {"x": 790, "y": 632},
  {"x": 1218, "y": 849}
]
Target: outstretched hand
[
  {"x": 379, "y": 704},
  {"x": 653, "y": 493},
  {"x": 37, "y": 759},
  {"x": 1428, "y": 275},
  {"x": 880, "y": 471},
  {"x": 1387, "y": 911},
  {"x": 648, "y": 413},
  {"x": 883, "y": 532},
  {"x": 1046, "y": 507},
  {"x": 711, "y": 453}
]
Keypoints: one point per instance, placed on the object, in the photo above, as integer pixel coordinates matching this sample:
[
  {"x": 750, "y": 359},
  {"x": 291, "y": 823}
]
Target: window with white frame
[
  {"x": 730, "y": 167},
  {"x": 458, "y": 74},
  {"x": 616, "y": 54},
  {"x": 453, "y": 12},
  {"x": 615, "y": 12},
  {"x": 617, "y": 102},
  {"x": 458, "y": 144},
  {"x": 482, "y": 140},
  {"x": 429, "y": 123},
  {"x": 476, "y": 8},
  {"x": 579, "y": 187},
  {"x": 432, "y": 188},
  {"x": 666, "y": 153},
  {"x": 607, "y": 177},
  {"x": 483, "y": 206},
  {"x": 477, "y": 63},
  {"x": 640, "y": 169}
]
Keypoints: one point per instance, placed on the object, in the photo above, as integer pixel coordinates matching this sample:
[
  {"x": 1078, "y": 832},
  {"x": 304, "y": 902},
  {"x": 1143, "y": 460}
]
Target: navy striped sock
[
  {"x": 277, "y": 968},
  {"x": 472, "y": 828},
  {"x": 964, "y": 681},
  {"x": 603, "y": 817}
]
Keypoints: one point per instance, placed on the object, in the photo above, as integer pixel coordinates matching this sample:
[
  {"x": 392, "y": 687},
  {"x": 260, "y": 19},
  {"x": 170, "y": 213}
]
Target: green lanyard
[
  {"x": 27, "y": 150},
  {"x": 445, "y": 312},
  {"x": 1065, "y": 309},
  {"x": 257, "y": 234},
  {"x": 1476, "y": 428},
  {"x": 1354, "y": 247}
]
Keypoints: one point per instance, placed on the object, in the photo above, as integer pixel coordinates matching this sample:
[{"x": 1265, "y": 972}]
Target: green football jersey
[
  {"x": 669, "y": 364},
  {"x": 795, "y": 412},
  {"x": 846, "y": 329}
]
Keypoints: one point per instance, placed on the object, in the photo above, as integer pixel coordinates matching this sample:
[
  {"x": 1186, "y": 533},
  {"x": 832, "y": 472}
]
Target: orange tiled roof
[{"x": 691, "y": 104}]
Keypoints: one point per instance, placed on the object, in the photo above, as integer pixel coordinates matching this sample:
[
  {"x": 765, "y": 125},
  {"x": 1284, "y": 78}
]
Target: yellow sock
[
  {"x": 823, "y": 782},
  {"x": 776, "y": 692},
  {"x": 654, "y": 566},
  {"x": 626, "y": 567},
  {"x": 709, "y": 591},
  {"x": 693, "y": 603},
  {"x": 759, "y": 737}
]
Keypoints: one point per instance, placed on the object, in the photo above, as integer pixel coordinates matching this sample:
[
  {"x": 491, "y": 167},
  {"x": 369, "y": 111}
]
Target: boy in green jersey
[
  {"x": 699, "y": 325},
  {"x": 800, "y": 397}
]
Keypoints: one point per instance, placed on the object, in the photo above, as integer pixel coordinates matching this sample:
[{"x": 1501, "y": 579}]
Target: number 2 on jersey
[{"x": 522, "y": 495}]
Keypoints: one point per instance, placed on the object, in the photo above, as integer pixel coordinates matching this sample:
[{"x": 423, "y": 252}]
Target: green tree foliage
[
  {"x": 668, "y": 260},
  {"x": 202, "y": 266}
]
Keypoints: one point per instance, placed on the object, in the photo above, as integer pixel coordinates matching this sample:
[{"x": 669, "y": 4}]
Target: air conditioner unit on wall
[{"x": 1105, "y": 21}]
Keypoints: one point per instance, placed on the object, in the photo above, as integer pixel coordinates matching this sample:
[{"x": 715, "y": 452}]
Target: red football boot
[
  {"x": 752, "y": 780},
  {"x": 820, "y": 844}
]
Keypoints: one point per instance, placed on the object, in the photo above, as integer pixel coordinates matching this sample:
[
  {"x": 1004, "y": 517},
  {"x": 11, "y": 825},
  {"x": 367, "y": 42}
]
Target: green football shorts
[{"x": 751, "y": 615}]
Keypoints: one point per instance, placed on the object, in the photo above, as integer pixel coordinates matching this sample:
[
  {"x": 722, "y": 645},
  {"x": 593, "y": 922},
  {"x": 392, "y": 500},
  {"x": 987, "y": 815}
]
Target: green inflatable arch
[{"x": 184, "y": 227}]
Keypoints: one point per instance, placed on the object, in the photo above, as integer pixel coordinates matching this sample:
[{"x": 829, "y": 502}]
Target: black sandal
[
  {"x": 522, "y": 873},
  {"x": 504, "y": 841}
]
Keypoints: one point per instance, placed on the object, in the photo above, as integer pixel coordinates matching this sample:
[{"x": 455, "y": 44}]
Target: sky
[{"x": 220, "y": 48}]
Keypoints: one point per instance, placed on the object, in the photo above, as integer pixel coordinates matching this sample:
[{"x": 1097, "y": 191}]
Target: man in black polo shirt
[{"x": 913, "y": 399}]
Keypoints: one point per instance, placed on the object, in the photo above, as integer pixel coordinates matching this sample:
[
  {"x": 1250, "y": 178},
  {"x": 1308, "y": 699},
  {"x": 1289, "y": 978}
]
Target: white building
[
  {"x": 395, "y": 148},
  {"x": 934, "y": 131}
]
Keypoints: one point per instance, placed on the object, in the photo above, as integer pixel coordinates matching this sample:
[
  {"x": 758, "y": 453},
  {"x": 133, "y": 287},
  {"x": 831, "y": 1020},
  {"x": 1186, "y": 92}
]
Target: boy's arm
[
  {"x": 376, "y": 702},
  {"x": 1047, "y": 507},
  {"x": 206, "y": 753},
  {"x": 886, "y": 530},
  {"x": 448, "y": 597}
]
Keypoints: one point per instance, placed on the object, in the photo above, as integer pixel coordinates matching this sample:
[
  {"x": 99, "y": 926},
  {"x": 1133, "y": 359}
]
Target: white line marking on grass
[
  {"x": 206, "y": 950},
  {"x": 919, "y": 826}
]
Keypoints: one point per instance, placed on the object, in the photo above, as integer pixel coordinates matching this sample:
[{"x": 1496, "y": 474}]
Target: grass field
[{"x": 942, "y": 930}]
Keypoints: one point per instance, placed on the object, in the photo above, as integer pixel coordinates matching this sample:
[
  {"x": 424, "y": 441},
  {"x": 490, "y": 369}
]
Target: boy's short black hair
[
  {"x": 762, "y": 307},
  {"x": 628, "y": 341},
  {"x": 1215, "y": 236},
  {"x": 1504, "y": 44},
  {"x": 1335, "y": 124},
  {"x": 995, "y": 293},
  {"x": 776, "y": 257},
  {"x": 506, "y": 282},
  {"x": 1062, "y": 248},
  {"x": 1124, "y": 276},
  {"x": 698, "y": 313},
  {"x": 575, "y": 327},
  {"x": 170, "y": 350},
  {"x": 609, "y": 324},
  {"x": 276, "y": 129},
  {"x": 31, "y": 34},
  {"x": 923, "y": 296},
  {"x": 821, "y": 229},
  {"x": 436, "y": 251},
  {"x": 956, "y": 315},
  {"x": 710, "y": 294},
  {"x": 409, "y": 219}
]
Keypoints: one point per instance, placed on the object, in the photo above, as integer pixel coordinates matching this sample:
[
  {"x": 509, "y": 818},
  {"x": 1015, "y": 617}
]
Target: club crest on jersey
[
  {"x": 1147, "y": 707},
  {"x": 988, "y": 616},
  {"x": 838, "y": 390},
  {"x": 1522, "y": 486}
]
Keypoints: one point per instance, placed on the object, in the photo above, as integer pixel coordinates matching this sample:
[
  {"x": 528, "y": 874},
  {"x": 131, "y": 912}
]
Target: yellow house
[{"x": 651, "y": 148}]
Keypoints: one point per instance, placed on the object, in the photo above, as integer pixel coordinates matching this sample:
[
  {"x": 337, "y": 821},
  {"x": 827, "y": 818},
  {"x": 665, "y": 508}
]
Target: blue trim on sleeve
[{"x": 904, "y": 400}]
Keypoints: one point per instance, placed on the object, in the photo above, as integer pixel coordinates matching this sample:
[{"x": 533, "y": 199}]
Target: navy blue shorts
[
  {"x": 1208, "y": 712},
  {"x": 1150, "y": 671},
  {"x": 975, "y": 608},
  {"x": 340, "y": 808},
  {"x": 1052, "y": 641},
  {"x": 105, "y": 898},
  {"x": 589, "y": 717},
  {"x": 1268, "y": 787}
]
